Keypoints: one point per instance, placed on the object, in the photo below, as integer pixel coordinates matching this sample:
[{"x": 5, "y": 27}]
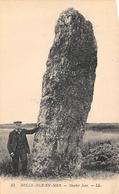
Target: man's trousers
[{"x": 20, "y": 154}]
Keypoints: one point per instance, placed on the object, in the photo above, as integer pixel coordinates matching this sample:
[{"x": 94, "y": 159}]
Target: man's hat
[{"x": 17, "y": 122}]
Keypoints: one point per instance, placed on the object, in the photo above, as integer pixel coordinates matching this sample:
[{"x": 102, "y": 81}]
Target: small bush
[
  {"x": 5, "y": 167},
  {"x": 104, "y": 156}
]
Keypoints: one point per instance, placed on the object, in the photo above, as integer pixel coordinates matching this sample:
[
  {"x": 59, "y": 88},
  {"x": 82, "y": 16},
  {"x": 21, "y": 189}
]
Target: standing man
[{"x": 18, "y": 147}]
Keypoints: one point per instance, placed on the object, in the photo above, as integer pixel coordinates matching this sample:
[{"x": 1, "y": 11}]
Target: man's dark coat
[{"x": 12, "y": 141}]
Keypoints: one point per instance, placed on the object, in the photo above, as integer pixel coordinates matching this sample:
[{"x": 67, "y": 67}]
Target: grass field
[{"x": 100, "y": 151}]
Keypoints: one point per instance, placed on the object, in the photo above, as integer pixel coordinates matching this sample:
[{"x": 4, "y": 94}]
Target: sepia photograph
[{"x": 59, "y": 85}]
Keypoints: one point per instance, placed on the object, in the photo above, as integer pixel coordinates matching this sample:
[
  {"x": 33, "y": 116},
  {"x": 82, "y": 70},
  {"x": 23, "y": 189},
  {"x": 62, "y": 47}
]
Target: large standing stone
[{"x": 67, "y": 92}]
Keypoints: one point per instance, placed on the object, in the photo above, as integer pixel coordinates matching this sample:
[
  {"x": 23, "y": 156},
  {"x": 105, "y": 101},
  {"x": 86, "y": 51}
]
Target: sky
[
  {"x": 117, "y": 3},
  {"x": 26, "y": 36}
]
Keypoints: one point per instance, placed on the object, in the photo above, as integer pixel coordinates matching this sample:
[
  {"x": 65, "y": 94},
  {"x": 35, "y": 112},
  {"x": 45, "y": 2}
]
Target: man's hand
[
  {"x": 12, "y": 154},
  {"x": 38, "y": 124}
]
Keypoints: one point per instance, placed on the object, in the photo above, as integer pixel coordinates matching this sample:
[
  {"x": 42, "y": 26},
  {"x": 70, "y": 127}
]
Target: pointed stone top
[
  {"x": 70, "y": 15},
  {"x": 69, "y": 18}
]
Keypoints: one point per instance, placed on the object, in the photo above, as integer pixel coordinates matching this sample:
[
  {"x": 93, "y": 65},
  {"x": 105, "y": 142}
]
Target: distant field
[
  {"x": 106, "y": 127},
  {"x": 11, "y": 125},
  {"x": 91, "y": 136}
]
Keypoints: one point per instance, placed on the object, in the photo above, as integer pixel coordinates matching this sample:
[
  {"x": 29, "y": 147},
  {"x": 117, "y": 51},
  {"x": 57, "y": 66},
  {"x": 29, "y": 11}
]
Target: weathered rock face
[{"x": 67, "y": 92}]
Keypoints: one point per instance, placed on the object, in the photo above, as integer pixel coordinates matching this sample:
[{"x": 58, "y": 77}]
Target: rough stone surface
[{"x": 67, "y": 92}]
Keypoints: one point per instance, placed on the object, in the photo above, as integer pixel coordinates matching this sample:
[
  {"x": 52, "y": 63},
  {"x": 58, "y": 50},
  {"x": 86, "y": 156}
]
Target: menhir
[{"x": 67, "y": 93}]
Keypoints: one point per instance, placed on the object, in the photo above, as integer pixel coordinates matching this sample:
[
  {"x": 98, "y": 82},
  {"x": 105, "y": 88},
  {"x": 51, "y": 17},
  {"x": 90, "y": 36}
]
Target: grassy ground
[{"x": 100, "y": 153}]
